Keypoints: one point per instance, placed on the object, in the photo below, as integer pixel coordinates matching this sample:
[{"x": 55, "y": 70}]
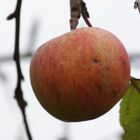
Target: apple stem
[
  {"x": 85, "y": 13},
  {"x": 16, "y": 57},
  {"x": 78, "y": 8}
]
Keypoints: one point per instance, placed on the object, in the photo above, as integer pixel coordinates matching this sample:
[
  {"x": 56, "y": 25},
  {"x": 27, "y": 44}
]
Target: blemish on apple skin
[
  {"x": 123, "y": 61},
  {"x": 100, "y": 88},
  {"x": 114, "y": 93},
  {"x": 95, "y": 61}
]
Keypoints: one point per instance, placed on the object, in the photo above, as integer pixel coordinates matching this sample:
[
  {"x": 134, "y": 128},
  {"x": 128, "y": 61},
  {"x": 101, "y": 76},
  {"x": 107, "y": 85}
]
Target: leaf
[{"x": 130, "y": 111}]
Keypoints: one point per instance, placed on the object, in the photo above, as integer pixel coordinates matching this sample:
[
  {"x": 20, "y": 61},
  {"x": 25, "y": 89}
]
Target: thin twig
[
  {"x": 137, "y": 5},
  {"x": 18, "y": 91},
  {"x": 7, "y": 58}
]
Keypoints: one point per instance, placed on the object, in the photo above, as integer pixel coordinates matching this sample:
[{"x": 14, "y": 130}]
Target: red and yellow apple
[{"x": 80, "y": 75}]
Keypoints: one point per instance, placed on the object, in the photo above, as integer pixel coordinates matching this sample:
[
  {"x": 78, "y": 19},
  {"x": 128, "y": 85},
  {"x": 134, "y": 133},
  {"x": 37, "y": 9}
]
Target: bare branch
[
  {"x": 7, "y": 58},
  {"x": 18, "y": 91},
  {"x": 137, "y": 5}
]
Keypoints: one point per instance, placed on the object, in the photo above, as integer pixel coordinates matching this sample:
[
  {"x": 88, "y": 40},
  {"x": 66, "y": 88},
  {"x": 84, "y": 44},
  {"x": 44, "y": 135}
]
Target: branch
[
  {"x": 7, "y": 58},
  {"x": 137, "y": 5},
  {"x": 65, "y": 132},
  {"x": 18, "y": 91},
  {"x": 78, "y": 8}
]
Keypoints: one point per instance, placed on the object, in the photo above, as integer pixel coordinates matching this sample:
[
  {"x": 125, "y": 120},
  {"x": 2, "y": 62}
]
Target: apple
[{"x": 80, "y": 75}]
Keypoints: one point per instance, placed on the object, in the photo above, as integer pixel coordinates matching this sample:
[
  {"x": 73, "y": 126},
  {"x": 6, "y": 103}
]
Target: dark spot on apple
[
  {"x": 123, "y": 61},
  {"x": 95, "y": 61},
  {"x": 100, "y": 88},
  {"x": 114, "y": 93}
]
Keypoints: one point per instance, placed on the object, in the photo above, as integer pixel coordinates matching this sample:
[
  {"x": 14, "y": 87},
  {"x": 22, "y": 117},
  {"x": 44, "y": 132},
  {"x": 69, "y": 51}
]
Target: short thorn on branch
[{"x": 16, "y": 13}]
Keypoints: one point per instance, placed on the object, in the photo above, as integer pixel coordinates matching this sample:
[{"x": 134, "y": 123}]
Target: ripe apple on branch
[{"x": 82, "y": 74}]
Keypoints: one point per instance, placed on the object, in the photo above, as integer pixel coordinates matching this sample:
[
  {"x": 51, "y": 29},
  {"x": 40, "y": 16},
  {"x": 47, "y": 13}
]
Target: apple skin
[{"x": 80, "y": 75}]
